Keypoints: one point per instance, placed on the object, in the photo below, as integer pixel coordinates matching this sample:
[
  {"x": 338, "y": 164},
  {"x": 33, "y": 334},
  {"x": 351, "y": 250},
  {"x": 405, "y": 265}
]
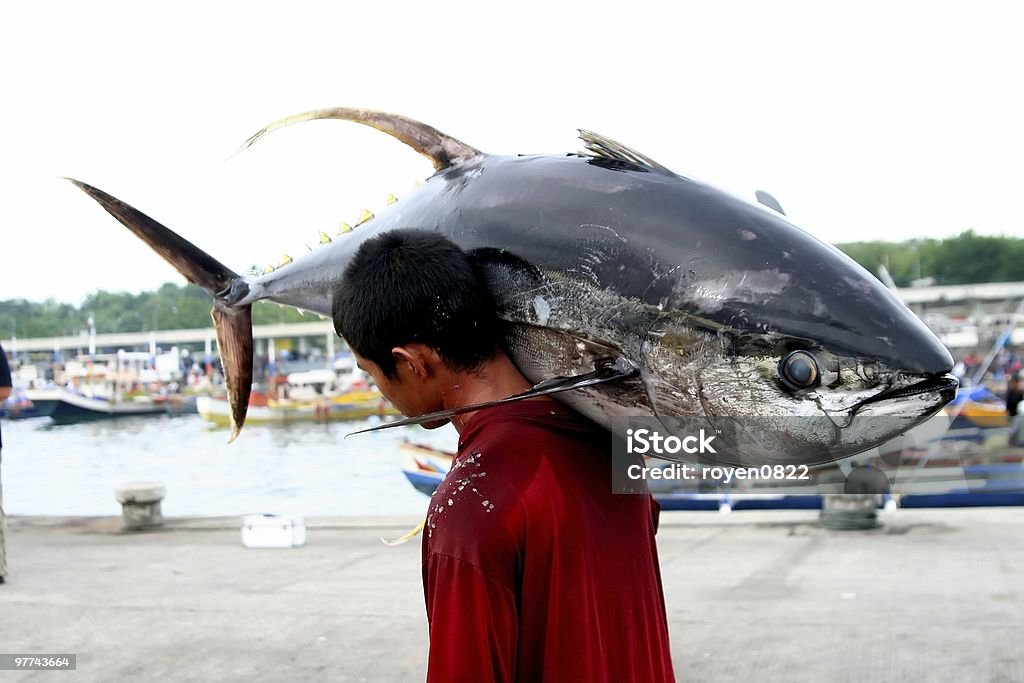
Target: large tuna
[{"x": 653, "y": 294}]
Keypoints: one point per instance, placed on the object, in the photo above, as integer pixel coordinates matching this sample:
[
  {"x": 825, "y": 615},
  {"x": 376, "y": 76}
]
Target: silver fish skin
[{"x": 607, "y": 256}]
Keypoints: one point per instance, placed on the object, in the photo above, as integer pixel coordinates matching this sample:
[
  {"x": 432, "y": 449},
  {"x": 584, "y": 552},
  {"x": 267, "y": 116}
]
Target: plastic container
[{"x": 273, "y": 531}]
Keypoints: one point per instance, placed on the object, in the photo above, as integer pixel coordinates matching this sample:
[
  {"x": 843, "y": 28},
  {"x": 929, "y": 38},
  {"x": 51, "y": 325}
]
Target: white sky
[{"x": 886, "y": 120}]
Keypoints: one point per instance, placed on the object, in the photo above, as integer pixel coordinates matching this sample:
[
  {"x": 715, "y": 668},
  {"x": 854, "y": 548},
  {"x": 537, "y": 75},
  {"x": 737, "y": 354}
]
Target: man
[
  {"x": 533, "y": 570},
  {"x": 1014, "y": 396},
  {"x": 5, "y": 391}
]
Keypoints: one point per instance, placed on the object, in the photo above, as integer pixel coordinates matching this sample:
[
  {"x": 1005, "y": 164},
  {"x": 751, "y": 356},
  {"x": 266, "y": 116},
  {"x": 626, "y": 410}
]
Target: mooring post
[{"x": 140, "y": 504}]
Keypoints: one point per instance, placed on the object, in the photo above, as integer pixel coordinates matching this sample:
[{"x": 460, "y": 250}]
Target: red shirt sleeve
[{"x": 476, "y": 617}]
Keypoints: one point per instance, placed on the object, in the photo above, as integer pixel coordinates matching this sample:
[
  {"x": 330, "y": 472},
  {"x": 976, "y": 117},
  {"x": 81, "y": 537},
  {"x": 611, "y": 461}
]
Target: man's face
[{"x": 408, "y": 392}]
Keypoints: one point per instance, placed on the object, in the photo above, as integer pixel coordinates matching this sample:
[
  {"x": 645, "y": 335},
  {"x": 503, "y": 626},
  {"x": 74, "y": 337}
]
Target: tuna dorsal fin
[
  {"x": 443, "y": 150},
  {"x": 600, "y": 146},
  {"x": 769, "y": 201}
]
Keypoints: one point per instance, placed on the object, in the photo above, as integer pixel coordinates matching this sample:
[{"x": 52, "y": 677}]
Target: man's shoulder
[
  {"x": 508, "y": 459},
  {"x": 522, "y": 424}
]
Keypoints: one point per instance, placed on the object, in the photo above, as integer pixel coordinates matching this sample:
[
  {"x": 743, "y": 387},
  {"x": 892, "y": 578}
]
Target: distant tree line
[
  {"x": 966, "y": 258},
  {"x": 171, "y": 307}
]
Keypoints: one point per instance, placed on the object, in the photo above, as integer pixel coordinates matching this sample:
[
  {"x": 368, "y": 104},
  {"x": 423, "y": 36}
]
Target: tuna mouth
[{"x": 944, "y": 385}]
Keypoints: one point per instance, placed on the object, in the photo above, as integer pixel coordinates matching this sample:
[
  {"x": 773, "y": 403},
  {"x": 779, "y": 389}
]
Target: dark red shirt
[{"x": 533, "y": 570}]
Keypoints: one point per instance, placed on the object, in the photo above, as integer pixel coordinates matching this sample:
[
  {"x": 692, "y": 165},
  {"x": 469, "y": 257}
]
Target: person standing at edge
[
  {"x": 1014, "y": 396},
  {"x": 5, "y": 391},
  {"x": 533, "y": 570}
]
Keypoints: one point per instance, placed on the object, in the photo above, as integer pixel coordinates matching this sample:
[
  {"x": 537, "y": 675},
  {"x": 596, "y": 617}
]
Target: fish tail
[{"x": 232, "y": 319}]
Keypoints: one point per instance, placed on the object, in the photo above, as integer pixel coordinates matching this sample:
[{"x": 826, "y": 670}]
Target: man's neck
[{"x": 496, "y": 379}]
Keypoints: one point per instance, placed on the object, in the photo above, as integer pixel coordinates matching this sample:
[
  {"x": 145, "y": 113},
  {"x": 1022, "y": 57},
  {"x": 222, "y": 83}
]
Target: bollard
[
  {"x": 849, "y": 511},
  {"x": 140, "y": 504},
  {"x": 851, "y": 502}
]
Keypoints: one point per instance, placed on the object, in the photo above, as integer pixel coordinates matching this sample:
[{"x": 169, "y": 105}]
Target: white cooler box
[{"x": 273, "y": 531}]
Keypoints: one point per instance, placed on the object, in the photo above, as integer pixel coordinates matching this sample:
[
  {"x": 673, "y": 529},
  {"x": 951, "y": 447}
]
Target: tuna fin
[
  {"x": 600, "y": 146},
  {"x": 412, "y": 533},
  {"x": 234, "y": 339},
  {"x": 769, "y": 201},
  {"x": 441, "y": 149},
  {"x": 612, "y": 371},
  {"x": 233, "y": 322},
  {"x": 196, "y": 265},
  {"x": 365, "y": 216}
]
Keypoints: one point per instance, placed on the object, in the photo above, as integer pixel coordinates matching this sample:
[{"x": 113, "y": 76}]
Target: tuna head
[{"x": 753, "y": 326}]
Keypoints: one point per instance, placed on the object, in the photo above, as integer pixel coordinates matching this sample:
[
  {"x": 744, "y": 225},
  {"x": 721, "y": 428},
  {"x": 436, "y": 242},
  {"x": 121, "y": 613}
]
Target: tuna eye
[{"x": 799, "y": 370}]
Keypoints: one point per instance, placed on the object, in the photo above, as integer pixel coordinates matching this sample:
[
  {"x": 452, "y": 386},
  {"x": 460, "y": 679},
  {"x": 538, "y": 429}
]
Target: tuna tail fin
[{"x": 233, "y": 322}]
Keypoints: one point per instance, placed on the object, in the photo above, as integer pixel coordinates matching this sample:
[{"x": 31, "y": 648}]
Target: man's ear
[{"x": 413, "y": 357}]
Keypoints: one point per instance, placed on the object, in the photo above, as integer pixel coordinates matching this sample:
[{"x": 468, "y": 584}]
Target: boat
[
  {"x": 64, "y": 406},
  {"x": 26, "y": 404},
  {"x": 72, "y": 407},
  {"x": 310, "y": 396},
  {"x": 355, "y": 405},
  {"x": 975, "y": 410},
  {"x": 177, "y": 404},
  {"x": 424, "y": 466},
  {"x": 44, "y": 400}
]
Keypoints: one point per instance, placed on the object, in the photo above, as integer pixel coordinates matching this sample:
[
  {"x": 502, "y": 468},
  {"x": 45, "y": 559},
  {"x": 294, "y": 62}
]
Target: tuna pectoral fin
[
  {"x": 234, "y": 337},
  {"x": 612, "y": 371}
]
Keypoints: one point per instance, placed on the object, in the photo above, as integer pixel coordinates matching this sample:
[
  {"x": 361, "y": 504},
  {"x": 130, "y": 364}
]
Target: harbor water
[{"x": 303, "y": 469}]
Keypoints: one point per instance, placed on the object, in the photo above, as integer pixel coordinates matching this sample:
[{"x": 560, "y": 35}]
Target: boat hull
[
  {"x": 71, "y": 408},
  {"x": 35, "y": 403},
  {"x": 355, "y": 406}
]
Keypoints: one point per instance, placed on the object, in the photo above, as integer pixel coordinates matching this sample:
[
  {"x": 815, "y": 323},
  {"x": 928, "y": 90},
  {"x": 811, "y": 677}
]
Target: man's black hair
[{"x": 409, "y": 286}]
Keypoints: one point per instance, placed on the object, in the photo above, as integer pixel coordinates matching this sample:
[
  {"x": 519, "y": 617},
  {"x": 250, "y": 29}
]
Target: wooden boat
[
  {"x": 72, "y": 408},
  {"x": 321, "y": 395},
  {"x": 976, "y": 414},
  {"x": 424, "y": 466},
  {"x": 177, "y": 404},
  {"x": 30, "y": 403},
  {"x": 351, "y": 405}
]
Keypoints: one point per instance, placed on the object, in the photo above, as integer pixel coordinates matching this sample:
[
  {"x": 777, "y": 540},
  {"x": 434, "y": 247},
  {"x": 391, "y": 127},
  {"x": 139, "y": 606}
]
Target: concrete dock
[{"x": 932, "y": 595}]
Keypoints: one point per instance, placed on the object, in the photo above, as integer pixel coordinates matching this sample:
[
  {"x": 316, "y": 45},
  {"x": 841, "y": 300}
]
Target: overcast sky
[{"x": 887, "y": 120}]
